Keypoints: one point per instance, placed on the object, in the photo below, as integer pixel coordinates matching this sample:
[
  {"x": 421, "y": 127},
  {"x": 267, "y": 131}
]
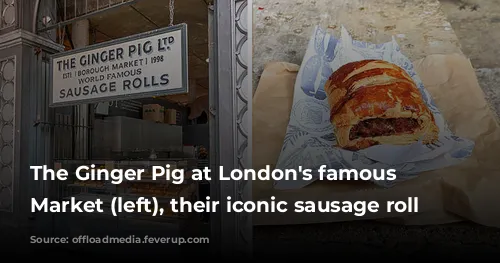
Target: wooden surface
[{"x": 282, "y": 28}]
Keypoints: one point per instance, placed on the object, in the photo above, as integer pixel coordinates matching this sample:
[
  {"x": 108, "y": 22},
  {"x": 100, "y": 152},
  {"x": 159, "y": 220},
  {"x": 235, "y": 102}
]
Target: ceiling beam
[
  {"x": 198, "y": 57},
  {"x": 144, "y": 16},
  {"x": 60, "y": 21}
]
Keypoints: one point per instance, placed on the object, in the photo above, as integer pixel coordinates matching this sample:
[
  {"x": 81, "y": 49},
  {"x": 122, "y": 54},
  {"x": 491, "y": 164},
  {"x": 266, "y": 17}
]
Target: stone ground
[{"x": 477, "y": 26}]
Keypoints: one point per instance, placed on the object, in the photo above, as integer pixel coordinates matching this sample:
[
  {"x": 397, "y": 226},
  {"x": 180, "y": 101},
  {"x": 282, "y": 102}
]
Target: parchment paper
[{"x": 468, "y": 191}]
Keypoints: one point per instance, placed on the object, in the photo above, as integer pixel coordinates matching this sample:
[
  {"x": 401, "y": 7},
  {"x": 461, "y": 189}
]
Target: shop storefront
[{"x": 49, "y": 118}]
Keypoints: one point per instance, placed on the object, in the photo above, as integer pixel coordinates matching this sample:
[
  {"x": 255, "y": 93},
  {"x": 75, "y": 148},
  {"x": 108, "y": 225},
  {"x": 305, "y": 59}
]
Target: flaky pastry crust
[{"x": 376, "y": 102}]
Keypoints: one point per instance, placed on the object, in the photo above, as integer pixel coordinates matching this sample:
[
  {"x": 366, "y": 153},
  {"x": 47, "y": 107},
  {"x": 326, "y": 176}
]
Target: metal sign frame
[{"x": 184, "y": 58}]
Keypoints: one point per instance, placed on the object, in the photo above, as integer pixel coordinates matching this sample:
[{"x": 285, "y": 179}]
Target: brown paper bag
[
  {"x": 467, "y": 190},
  {"x": 170, "y": 116},
  {"x": 153, "y": 112}
]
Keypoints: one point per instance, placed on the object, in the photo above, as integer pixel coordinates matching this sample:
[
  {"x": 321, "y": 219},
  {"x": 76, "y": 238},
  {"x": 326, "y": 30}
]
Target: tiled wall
[{"x": 8, "y": 13}]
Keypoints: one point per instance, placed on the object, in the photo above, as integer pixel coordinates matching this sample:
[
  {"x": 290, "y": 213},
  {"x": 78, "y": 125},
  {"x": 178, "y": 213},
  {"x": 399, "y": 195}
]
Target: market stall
[
  {"x": 128, "y": 104},
  {"x": 125, "y": 143}
]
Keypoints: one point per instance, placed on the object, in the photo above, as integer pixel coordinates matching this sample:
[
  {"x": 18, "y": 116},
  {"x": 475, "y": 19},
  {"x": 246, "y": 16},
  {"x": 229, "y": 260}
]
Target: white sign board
[{"x": 145, "y": 65}]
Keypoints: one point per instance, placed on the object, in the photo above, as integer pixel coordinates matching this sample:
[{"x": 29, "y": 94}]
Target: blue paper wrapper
[{"x": 310, "y": 139}]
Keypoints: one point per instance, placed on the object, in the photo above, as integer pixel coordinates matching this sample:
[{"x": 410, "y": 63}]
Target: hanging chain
[{"x": 171, "y": 9}]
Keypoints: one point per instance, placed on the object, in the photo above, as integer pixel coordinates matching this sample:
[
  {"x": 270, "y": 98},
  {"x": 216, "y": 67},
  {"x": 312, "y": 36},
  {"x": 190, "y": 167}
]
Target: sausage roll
[{"x": 376, "y": 102}]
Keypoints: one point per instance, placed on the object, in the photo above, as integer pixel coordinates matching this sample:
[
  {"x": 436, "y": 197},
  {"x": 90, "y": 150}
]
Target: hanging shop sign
[{"x": 149, "y": 64}]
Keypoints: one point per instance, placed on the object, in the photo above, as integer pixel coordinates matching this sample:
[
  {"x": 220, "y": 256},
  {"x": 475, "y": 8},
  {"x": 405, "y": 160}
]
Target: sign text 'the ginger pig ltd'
[{"x": 145, "y": 65}]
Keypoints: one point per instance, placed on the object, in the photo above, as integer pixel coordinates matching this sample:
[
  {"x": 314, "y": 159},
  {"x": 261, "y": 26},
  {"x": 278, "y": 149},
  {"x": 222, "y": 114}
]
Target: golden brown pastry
[{"x": 376, "y": 102}]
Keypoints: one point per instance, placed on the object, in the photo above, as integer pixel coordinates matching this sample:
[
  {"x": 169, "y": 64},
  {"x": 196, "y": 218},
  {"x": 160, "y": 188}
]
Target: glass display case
[
  {"x": 127, "y": 142},
  {"x": 161, "y": 189}
]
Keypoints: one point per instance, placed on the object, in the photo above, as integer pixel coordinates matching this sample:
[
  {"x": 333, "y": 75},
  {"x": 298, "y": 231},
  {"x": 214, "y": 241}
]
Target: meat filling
[{"x": 383, "y": 127}]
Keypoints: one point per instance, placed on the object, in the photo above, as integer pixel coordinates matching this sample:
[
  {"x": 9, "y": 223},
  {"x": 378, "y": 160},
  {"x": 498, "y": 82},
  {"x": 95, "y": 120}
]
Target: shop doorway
[{"x": 122, "y": 133}]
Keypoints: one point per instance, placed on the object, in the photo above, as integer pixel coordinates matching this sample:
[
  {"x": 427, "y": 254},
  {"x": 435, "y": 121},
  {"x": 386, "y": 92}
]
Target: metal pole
[
  {"x": 231, "y": 122},
  {"x": 81, "y": 36}
]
